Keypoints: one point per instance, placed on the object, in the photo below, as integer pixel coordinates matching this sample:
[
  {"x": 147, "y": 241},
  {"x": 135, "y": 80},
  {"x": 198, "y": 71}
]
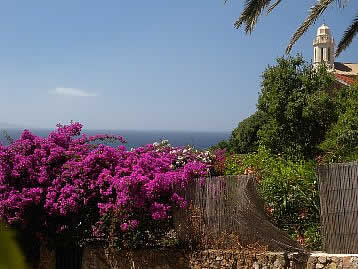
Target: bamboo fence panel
[{"x": 338, "y": 185}]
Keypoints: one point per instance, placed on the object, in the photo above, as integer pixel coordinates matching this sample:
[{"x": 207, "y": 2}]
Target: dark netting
[{"x": 229, "y": 205}]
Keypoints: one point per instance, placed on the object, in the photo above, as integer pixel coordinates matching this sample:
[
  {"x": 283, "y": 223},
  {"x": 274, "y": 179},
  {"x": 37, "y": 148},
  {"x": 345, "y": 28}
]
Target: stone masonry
[{"x": 98, "y": 258}]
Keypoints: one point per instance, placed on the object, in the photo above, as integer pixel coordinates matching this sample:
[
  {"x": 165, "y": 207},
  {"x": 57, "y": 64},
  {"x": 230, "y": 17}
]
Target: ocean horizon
[{"x": 137, "y": 138}]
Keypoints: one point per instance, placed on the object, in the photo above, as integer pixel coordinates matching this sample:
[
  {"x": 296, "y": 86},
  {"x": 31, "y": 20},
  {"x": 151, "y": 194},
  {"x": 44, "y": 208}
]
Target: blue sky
[{"x": 170, "y": 65}]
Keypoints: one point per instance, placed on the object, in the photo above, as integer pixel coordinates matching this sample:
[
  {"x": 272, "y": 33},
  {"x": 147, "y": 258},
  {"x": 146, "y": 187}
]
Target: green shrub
[
  {"x": 223, "y": 144},
  {"x": 233, "y": 165}
]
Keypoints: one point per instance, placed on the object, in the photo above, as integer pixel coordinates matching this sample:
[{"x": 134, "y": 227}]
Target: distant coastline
[{"x": 198, "y": 139}]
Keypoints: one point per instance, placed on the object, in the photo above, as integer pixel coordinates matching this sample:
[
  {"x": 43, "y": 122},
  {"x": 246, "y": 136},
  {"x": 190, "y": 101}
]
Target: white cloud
[{"x": 72, "y": 92}]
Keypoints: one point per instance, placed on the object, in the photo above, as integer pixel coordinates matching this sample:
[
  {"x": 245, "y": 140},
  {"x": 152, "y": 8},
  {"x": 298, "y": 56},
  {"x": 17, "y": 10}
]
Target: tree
[
  {"x": 341, "y": 143},
  {"x": 298, "y": 106},
  {"x": 244, "y": 137},
  {"x": 223, "y": 144},
  {"x": 254, "y": 8}
]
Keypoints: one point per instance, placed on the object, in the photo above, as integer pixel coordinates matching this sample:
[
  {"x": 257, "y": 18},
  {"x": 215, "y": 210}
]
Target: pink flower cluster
[{"x": 57, "y": 182}]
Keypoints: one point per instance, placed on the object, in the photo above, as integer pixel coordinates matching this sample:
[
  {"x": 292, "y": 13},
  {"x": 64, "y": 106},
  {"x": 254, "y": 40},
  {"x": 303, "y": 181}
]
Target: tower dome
[
  {"x": 323, "y": 30},
  {"x": 323, "y": 47}
]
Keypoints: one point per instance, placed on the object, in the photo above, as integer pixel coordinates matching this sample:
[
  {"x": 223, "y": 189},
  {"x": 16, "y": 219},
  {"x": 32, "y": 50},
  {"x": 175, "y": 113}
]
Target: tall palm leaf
[
  {"x": 348, "y": 36},
  {"x": 315, "y": 12},
  {"x": 254, "y": 8},
  {"x": 272, "y": 7},
  {"x": 250, "y": 14}
]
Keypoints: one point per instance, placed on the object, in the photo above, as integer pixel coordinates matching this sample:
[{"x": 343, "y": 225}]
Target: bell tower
[{"x": 323, "y": 47}]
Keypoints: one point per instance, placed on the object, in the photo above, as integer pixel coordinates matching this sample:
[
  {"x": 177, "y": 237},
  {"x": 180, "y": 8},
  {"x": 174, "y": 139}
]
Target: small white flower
[{"x": 156, "y": 144}]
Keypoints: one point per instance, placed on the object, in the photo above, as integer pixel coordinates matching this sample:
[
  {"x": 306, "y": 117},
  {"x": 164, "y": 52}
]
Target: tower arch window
[
  {"x": 329, "y": 55},
  {"x": 322, "y": 55}
]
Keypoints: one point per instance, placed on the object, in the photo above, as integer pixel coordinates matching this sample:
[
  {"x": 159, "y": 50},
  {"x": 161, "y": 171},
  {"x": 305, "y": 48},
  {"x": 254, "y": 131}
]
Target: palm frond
[
  {"x": 272, "y": 7},
  {"x": 250, "y": 14},
  {"x": 314, "y": 14},
  {"x": 342, "y": 3},
  {"x": 348, "y": 36}
]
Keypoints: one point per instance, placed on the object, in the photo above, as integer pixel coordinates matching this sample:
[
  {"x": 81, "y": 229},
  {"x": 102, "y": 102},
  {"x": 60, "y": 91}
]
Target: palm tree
[
  {"x": 254, "y": 8},
  {"x": 348, "y": 36}
]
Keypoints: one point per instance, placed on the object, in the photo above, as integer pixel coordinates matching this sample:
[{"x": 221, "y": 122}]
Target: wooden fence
[
  {"x": 68, "y": 258},
  {"x": 339, "y": 207},
  {"x": 231, "y": 205}
]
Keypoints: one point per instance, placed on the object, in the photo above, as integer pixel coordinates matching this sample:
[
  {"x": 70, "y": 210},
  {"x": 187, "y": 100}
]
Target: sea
[{"x": 197, "y": 139}]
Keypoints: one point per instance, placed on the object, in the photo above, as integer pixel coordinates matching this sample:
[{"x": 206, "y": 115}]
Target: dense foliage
[
  {"x": 341, "y": 143},
  {"x": 298, "y": 108},
  {"x": 63, "y": 186}
]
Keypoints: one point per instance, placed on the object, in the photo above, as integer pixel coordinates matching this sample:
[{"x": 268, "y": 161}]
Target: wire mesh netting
[{"x": 230, "y": 205}]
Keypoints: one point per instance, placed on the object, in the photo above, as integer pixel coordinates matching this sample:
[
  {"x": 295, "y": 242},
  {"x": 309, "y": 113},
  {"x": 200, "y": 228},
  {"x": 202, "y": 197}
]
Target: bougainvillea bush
[{"x": 64, "y": 186}]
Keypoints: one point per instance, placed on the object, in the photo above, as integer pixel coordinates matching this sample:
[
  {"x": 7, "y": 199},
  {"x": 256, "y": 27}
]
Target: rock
[
  {"x": 347, "y": 262},
  {"x": 332, "y": 266},
  {"x": 310, "y": 265},
  {"x": 322, "y": 259},
  {"x": 335, "y": 259},
  {"x": 279, "y": 262}
]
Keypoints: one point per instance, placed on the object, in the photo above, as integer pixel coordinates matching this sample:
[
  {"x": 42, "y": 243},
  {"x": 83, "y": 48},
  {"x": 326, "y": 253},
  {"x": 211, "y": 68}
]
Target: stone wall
[
  {"x": 95, "y": 258},
  {"x": 246, "y": 259},
  {"x": 143, "y": 259},
  {"x": 167, "y": 259},
  {"x": 332, "y": 261}
]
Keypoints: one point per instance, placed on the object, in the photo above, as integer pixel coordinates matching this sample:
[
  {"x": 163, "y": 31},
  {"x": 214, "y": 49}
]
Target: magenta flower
[{"x": 63, "y": 182}]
